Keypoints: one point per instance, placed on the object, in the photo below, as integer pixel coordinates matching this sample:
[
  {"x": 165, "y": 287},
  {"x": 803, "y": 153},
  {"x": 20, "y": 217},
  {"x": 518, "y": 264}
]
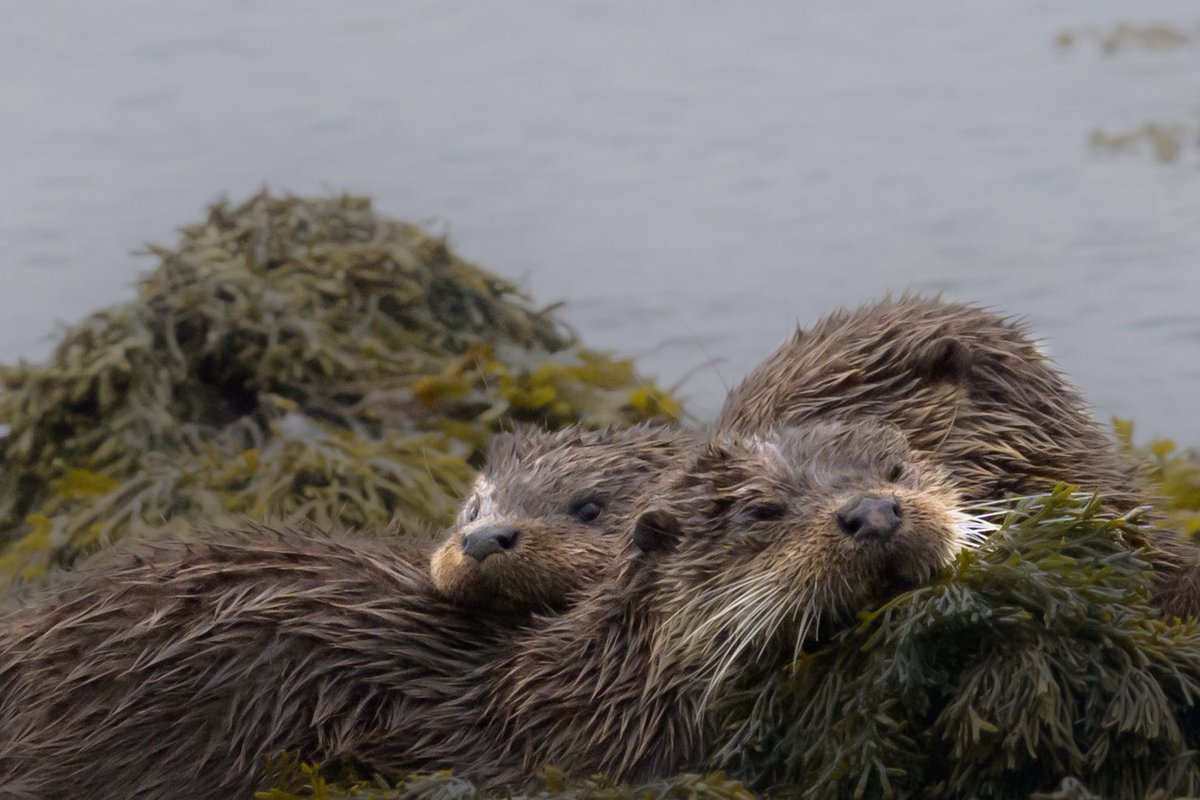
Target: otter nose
[
  {"x": 481, "y": 543},
  {"x": 870, "y": 517}
]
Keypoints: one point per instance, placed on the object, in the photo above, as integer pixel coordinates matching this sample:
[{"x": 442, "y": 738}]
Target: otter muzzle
[{"x": 483, "y": 542}]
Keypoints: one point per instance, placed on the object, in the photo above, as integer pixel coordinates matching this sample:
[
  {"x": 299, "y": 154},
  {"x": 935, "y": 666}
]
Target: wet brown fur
[
  {"x": 534, "y": 482},
  {"x": 973, "y": 393},
  {"x": 173, "y": 670}
]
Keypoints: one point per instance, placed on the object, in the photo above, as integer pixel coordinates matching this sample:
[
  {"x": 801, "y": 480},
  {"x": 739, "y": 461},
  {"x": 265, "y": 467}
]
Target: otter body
[
  {"x": 175, "y": 670},
  {"x": 970, "y": 390},
  {"x": 549, "y": 512}
]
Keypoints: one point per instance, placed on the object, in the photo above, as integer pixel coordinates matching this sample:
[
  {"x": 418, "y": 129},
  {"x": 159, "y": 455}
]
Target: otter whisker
[
  {"x": 688, "y": 608},
  {"x": 765, "y": 615},
  {"x": 715, "y": 620},
  {"x": 971, "y": 531},
  {"x": 728, "y": 658},
  {"x": 780, "y": 617}
]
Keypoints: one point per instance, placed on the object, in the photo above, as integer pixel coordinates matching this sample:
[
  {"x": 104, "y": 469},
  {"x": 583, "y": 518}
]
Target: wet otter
[
  {"x": 173, "y": 670},
  {"x": 967, "y": 387},
  {"x": 547, "y": 513},
  {"x": 972, "y": 392}
]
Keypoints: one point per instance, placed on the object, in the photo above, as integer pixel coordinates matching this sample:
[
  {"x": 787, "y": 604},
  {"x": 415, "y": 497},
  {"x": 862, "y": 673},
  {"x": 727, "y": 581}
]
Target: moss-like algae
[
  {"x": 1175, "y": 477},
  {"x": 290, "y": 357}
]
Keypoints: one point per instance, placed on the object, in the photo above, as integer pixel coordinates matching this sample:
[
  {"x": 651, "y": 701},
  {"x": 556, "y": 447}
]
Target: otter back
[{"x": 969, "y": 388}]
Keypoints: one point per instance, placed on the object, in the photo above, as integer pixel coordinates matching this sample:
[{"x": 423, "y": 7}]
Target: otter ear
[
  {"x": 521, "y": 442},
  {"x": 944, "y": 358},
  {"x": 502, "y": 445},
  {"x": 656, "y": 531}
]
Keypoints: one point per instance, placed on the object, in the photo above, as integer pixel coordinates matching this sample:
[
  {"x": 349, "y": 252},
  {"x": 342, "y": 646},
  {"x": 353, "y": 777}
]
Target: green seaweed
[
  {"x": 1174, "y": 475},
  {"x": 290, "y": 357}
]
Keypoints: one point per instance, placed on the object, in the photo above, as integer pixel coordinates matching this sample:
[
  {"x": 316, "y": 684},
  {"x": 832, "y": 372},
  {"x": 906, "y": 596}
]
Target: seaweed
[
  {"x": 1127, "y": 36},
  {"x": 1167, "y": 141},
  {"x": 290, "y": 357},
  {"x": 1174, "y": 474}
]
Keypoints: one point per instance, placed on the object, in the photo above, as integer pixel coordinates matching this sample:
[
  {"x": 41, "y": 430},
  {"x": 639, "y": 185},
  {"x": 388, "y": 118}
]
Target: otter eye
[
  {"x": 767, "y": 511},
  {"x": 894, "y": 472},
  {"x": 473, "y": 509},
  {"x": 585, "y": 510}
]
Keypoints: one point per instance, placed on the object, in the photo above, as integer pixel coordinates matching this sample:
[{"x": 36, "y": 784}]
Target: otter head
[
  {"x": 770, "y": 540},
  {"x": 548, "y": 513}
]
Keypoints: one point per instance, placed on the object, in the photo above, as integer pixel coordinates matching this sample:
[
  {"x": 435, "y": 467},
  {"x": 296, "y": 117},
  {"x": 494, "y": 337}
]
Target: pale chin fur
[{"x": 750, "y": 620}]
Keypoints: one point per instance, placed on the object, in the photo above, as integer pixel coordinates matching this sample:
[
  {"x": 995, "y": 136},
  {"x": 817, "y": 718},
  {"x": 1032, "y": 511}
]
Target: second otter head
[
  {"x": 771, "y": 540},
  {"x": 548, "y": 513}
]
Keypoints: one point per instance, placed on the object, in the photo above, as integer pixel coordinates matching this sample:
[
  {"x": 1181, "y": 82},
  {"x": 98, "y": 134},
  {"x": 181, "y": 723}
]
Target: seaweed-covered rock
[
  {"x": 1037, "y": 657},
  {"x": 290, "y": 357}
]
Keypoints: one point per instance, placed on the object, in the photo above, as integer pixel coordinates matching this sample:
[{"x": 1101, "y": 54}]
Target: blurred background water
[{"x": 693, "y": 178}]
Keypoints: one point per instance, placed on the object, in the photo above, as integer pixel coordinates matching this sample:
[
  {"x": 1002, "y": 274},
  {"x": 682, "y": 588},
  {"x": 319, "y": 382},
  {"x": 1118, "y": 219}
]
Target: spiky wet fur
[
  {"x": 750, "y": 589},
  {"x": 532, "y": 482},
  {"x": 174, "y": 669},
  {"x": 973, "y": 393}
]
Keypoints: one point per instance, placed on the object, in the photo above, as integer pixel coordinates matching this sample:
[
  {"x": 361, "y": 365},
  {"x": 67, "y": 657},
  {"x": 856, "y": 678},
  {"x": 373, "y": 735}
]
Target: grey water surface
[{"x": 693, "y": 178}]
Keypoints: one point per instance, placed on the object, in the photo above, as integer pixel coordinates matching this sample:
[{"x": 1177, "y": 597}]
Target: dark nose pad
[
  {"x": 870, "y": 517},
  {"x": 481, "y": 543}
]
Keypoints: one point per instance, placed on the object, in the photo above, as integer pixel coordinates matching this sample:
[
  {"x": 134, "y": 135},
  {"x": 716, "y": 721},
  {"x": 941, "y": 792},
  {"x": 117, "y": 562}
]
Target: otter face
[
  {"x": 547, "y": 514},
  {"x": 770, "y": 540}
]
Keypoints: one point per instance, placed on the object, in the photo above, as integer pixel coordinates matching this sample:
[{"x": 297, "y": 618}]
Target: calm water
[{"x": 692, "y": 178}]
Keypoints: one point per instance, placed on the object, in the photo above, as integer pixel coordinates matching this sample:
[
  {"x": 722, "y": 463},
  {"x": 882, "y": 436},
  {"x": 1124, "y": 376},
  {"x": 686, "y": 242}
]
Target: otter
[
  {"x": 175, "y": 668},
  {"x": 973, "y": 392},
  {"x": 969, "y": 388},
  {"x": 547, "y": 513}
]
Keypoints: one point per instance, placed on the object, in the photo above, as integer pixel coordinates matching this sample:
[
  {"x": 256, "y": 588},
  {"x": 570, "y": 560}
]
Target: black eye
[
  {"x": 895, "y": 472},
  {"x": 473, "y": 509},
  {"x": 585, "y": 510},
  {"x": 766, "y": 511}
]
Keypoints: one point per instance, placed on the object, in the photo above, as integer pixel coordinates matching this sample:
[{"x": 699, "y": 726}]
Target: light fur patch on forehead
[{"x": 768, "y": 449}]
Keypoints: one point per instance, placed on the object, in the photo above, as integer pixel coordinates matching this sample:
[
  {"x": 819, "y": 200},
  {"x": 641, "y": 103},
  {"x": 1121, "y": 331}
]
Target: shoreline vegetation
[
  {"x": 1168, "y": 141},
  {"x": 296, "y": 358}
]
